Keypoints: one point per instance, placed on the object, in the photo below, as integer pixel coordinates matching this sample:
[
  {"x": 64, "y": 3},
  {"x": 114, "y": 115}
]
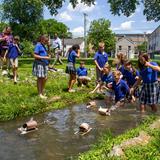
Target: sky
[{"x": 74, "y": 18}]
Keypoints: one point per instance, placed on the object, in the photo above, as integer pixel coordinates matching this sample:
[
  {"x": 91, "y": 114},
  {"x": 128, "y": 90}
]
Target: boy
[{"x": 82, "y": 75}]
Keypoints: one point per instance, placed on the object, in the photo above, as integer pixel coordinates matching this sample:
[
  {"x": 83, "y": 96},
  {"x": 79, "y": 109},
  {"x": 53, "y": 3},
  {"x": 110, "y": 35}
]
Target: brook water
[{"x": 55, "y": 139}]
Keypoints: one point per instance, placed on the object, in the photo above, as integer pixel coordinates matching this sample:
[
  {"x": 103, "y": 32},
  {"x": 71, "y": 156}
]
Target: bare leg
[
  {"x": 43, "y": 84},
  {"x": 15, "y": 74},
  {"x": 142, "y": 108},
  {"x": 73, "y": 80},
  {"x": 154, "y": 108},
  {"x": 39, "y": 85}
]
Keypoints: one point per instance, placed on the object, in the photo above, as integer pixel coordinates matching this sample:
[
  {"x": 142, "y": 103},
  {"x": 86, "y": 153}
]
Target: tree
[
  {"x": 23, "y": 16},
  {"x": 99, "y": 32},
  {"x": 142, "y": 47}
]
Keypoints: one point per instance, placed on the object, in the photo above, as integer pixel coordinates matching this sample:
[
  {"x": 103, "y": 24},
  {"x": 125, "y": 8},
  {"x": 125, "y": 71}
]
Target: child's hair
[
  {"x": 16, "y": 38},
  {"x": 82, "y": 62},
  {"x": 121, "y": 58},
  {"x": 75, "y": 47},
  {"x": 117, "y": 73},
  {"x": 144, "y": 57},
  {"x": 42, "y": 37},
  {"x": 101, "y": 44},
  {"x": 107, "y": 66},
  {"x": 128, "y": 62}
]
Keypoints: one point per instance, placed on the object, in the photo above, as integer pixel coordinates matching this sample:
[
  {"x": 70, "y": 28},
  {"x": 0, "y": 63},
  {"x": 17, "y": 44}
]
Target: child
[
  {"x": 131, "y": 75},
  {"x": 120, "y": 88},
  {"x": 40, "y": 65},
  {"x": 100, "y": 60},
  {"x": 82, "y": 75},
  {"x": 12, "y": 53},
  {"x": 71, "y": 69},
  {"x": 150, "y": 88}
]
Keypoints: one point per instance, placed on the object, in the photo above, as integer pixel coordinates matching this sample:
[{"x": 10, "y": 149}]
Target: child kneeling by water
[
  {"x": 120, "y": 88},
  {"x": 82, "y": 73}
]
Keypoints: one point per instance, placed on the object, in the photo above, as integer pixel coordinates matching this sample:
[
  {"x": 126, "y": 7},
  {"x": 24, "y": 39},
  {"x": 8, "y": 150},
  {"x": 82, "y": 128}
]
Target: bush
[{"x": 27, "y": 48}]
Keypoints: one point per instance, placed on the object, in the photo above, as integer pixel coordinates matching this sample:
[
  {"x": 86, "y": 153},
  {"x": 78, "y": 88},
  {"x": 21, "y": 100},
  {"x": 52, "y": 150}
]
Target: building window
[
  {"x": 129, "y": 48},
  {"x": 120, "y": 48}
]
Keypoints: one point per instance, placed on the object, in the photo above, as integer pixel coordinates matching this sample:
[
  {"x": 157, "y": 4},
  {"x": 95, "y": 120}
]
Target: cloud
[
  {"x": 149, "y": 31},
  {"x": 124, "y": 26},
  {"x": 79, "y": 31},
  {"x": 81, "y": 7},
  {"x": 65, "y": 16}
]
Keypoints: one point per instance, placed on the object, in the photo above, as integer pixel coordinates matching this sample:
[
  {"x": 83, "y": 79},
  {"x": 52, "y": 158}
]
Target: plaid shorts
[
  {"x": 150, "y": 93},
  {"x": 40, "y": 69},
  {"x": 70, "y": 69}
]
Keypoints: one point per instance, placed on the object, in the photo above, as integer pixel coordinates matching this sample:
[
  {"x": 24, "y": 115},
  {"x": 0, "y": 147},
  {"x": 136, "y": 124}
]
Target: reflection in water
[{"x": 55, "y": 138}]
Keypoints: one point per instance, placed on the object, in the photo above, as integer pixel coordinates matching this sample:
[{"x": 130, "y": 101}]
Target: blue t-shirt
[
  {"x": 12, "y": 51},
  {"x": 82, "y": 71},
  {"x": 101, "y": 58},
  {"x": 149, "y": 75},
  {"x": 130, "y": 77},
  {"x": 41, "y": 50},
  {"x": 120, "y": 89},
  {"x": 72, "y": 56},
  {"x": 107, "y": 78}
]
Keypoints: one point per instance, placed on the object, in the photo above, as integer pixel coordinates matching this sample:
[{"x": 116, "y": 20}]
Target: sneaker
[
  {"x": 71, "y": 90},
  {"x": 42, "y": 96}
]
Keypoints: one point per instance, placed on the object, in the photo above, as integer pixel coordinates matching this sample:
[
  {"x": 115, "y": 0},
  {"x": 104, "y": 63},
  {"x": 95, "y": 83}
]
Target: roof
[
  {"x": 73, "y": 41},
  {"x": 126, "y": 39}
]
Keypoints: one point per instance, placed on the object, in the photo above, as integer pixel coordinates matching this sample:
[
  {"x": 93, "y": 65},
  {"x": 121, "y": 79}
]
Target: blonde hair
[
  {"x": 101, "y": 44},
  {"x": 117, "y": 73},
  {"x": 107, "y": 66}
]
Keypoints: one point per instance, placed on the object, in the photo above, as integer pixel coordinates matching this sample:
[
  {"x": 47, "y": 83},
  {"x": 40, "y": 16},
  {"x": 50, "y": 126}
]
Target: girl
[
  {"x": 150, "y": 88},
  {"x": 40, "y": 65},
  {"x": 12, "y": 53},
  {"x": 71, "y": 69}
]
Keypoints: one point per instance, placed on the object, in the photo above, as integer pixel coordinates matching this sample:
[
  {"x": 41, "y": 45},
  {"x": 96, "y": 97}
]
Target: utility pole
[{"x": 85, "y": 38}]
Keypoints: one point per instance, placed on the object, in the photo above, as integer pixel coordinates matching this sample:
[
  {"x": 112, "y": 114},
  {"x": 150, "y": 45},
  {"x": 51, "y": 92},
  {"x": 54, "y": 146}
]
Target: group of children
[{"x": 9, "y": 51}]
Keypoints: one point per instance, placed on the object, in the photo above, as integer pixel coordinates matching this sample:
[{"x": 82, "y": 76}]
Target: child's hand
[
  {"x": 131, "y": 91},
  {"x": 4, "y": 59}
]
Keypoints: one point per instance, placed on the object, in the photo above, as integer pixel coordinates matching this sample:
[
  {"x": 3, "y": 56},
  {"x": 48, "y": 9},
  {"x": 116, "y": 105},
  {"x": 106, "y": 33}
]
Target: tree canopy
[{"x": 99, "y": 32}]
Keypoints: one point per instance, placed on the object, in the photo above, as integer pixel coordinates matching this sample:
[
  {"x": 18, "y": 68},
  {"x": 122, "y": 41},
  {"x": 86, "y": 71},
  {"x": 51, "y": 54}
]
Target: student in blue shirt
[
  {"x": 120, "y": 88},
  {"x": 40, "y": 65},
  {"x": 100, "y": 59},
  {"x": 106, "y": 79},
  {"x": 131, "y": 75},
  {"x": 82, "y": 75},
  {"x": 12, "y": 54},
  {"x": 150, "y": 90},
  {"x": 74, "y": 53}
]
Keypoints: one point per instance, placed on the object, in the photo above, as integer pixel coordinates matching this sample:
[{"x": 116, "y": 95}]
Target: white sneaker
[
  {"x": 71, "y": 90},
  {"x": 42, "y": 96}
]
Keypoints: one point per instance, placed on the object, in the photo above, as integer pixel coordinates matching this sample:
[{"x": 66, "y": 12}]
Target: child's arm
[
  {"x": 41, "y": 57},
  {"x": 4, "y": 58},
  {"x": 138, "y": 82},
  {"x": 78, "y": 54},
  {"x": 101, "y": 69},
  {"x": 96, "y": 88},
  {"x": 18, "y": 48},
  {"x": 156, "y": 68}
]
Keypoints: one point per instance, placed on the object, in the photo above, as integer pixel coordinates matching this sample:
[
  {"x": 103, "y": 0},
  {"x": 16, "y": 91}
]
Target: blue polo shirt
[
  {"x": 101, "y": 58},
  {"x": 82, "y": 71},
  {"x": 72, "y": 56},
  {"x": 41, "y": 50},
  {"x": 130, "y": 77},
  {"x": 12, "y": 51},
  {"x": 107, "y": 78},
  {"x": 120, "y": 89},
  {"x": 149, "y": 75}
]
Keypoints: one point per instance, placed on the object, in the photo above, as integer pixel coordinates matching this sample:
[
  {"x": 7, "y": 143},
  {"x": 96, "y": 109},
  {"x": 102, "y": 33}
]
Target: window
[
  {"x": 120, "y": 48},
  {"x": 129, "y": 48}
]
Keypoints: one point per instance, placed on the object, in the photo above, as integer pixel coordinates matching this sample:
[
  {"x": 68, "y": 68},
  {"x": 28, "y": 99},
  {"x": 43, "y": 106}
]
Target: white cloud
[
  {"x": 65, "y": 16},
  {"x": 149, "y": 31},
  {"x": 124, "y": 26},
  {"x": 81, "y": 7},
  {"x": 79, "y": 31}
]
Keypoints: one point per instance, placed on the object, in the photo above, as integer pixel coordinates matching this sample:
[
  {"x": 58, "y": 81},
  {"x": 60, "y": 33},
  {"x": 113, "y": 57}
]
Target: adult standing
[
  {"x": 40, "y": 65},
  {"x": 100, "y": 59},
  {"x": 74, "y": 53},
  {"x": 6, "y": 38},
  {"x": 57, "y": 46}
]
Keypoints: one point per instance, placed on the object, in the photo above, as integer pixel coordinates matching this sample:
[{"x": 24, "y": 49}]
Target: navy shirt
[
  {"x": 82, "y": 71},
  {"x": 101, "y": 58},
  {"x": 120, "y": 89},
  {"x": 149, "y": 75},
  {"x": 72, "y": 56},
  {"x": 41, "y": 50},
  {"x": 107, "y": 78},
  {"x": 130, "y": 77},
  {"x": 12, "y": 51}
]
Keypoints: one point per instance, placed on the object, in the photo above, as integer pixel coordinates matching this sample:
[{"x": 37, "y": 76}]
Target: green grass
[{"x": 22, "y": 100}]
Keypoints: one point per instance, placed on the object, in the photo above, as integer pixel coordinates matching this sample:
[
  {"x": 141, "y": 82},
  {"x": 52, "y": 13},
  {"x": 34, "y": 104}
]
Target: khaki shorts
[{"x": 14, "y": 62}]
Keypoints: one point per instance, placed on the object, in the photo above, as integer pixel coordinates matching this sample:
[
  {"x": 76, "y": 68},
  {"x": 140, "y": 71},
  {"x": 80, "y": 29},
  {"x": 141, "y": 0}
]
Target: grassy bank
[
  {"x": 151, "y": 151},
  {"x": 22, "y": 100}
]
